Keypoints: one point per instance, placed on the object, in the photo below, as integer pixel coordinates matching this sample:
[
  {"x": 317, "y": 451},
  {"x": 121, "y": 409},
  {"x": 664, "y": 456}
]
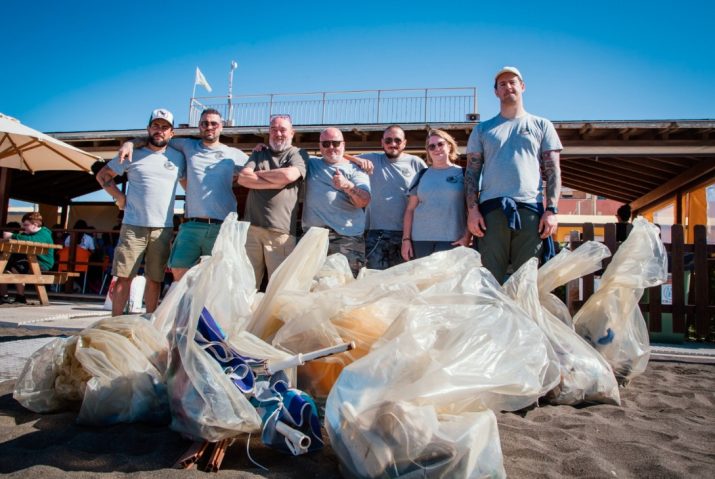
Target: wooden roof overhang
[{"x": 636, "y": 162}]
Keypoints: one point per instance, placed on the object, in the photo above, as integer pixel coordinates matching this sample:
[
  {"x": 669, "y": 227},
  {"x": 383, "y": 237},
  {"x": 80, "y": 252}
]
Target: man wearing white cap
[
  {"x": 211, "y": 171},
  {"x": 509, "y": 154},
  {"x": 148, "y": 210}
]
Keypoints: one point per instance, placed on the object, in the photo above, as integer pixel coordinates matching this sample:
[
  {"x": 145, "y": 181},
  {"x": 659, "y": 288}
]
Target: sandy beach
[{"x": 663, "y": 429}]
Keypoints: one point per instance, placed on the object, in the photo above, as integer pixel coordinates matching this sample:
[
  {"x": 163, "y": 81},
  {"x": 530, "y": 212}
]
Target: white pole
[{"x": 234, "y": 65}]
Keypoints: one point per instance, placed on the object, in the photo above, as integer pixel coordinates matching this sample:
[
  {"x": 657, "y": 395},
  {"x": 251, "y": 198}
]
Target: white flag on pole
[
  {"x": 201, "y": 80},
  {"x": 234, "y": 65}
]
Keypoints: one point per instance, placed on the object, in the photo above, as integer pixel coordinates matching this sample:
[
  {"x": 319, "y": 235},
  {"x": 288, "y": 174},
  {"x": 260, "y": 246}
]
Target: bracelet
[{"x": 406, "y": 239}]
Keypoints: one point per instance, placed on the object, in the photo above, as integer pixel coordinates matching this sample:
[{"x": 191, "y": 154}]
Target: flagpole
[
  {"x": 234, "y": 65},
  {"x": 191, "y": 102}
]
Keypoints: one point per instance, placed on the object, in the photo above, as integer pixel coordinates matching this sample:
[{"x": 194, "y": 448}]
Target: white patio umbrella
[{"x": 23, "y": 148}]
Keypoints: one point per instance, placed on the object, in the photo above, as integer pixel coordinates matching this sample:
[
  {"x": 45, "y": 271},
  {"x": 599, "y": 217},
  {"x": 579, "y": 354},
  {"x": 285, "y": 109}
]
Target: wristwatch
[{"x": 553, "y": 209}]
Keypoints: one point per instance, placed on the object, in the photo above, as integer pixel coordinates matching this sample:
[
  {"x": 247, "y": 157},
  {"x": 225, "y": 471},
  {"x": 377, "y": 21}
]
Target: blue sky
[{"x": 76, "y": 65}]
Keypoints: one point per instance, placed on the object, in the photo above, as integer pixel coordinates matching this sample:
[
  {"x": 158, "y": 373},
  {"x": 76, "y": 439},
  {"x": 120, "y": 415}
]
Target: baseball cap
[
  {"x": 508, "y": 69},
  {"x": 162, "y": 114}
]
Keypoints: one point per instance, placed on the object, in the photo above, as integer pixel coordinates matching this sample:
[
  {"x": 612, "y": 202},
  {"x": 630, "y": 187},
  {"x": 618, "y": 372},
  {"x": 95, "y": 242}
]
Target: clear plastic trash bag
[
  {"x": 110, "y": 368},
  {"x": 564, "y": 267},
  {"x": 334, "y": 273},
  {"x": 361, "y": 311},
  {"x": 403, "y": 440},
  {"x": 205, "y": 403},
  {"x": 294, "y": 275},
  {"x": 611, "y": 319},
  {"x": 585, "y": 374},
  {"x": 455, "y": 354}
]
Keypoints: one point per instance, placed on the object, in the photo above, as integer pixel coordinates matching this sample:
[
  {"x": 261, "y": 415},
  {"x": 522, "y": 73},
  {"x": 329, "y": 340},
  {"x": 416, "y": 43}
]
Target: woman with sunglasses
[{"x": 435, "y": 218}]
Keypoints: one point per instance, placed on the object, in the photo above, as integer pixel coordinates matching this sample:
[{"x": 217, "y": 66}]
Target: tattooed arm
[
  {"x": 475, "y": 221},
  {"x": 552, "y": 174}
]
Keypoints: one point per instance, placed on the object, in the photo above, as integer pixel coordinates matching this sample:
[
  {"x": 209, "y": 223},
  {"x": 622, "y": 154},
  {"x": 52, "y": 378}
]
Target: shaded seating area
[{"x": 31, "y": 249}]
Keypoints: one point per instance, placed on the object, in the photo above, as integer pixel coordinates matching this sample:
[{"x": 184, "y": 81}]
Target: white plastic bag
[
  {"x": 461, "y": 348},
  {"x": 294, "y": 275},
  {"x": 136, "y": 295},
  {"x": 38, "y": 387},
  {"x": 611, "y": 319},
  {"x": 205, "y": 404},
  {"x": 334, "y": 273},
  {"x": 564, "y": 267},
  {"x": 361, "y": 311},
  {"x": 399, "y": 439},
  {"x": 585, "y": 375},
  {"x": 114, "y": 368}
]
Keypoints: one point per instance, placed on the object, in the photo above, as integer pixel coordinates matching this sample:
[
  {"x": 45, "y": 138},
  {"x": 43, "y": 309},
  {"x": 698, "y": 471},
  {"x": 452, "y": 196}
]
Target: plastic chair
[{"x": 81, "y": 264}]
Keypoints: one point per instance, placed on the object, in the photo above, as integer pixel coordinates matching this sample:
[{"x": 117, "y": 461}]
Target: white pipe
[
  {"x": 297, "y": 441},
  {"x": 300, "y": 358}
]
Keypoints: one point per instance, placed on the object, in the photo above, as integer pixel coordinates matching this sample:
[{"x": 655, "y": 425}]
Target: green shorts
[
  {"x": 193, "y": 241},
  {"x": 137, "y": 243}
]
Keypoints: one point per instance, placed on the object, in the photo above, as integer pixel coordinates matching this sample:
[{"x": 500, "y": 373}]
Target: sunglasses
[
  {"x": 434, "y": 146},
  {"x": 329, "y": 143},
  {"x": 389, "y": 141},
  {"x": 212, "y": 124}
]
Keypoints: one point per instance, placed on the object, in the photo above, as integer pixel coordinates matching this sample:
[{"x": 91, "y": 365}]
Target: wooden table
[{"x": 37, "y": 277}]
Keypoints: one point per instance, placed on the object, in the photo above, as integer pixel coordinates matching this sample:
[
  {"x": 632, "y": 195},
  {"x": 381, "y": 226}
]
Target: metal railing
[{"x": 427, "y": 105}]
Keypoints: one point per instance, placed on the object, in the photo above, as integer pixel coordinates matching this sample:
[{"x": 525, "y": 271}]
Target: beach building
[{"x": 665, "y": 169}]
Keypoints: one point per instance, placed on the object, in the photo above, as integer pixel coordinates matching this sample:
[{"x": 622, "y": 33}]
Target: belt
[{"x": 209, "y": 221}]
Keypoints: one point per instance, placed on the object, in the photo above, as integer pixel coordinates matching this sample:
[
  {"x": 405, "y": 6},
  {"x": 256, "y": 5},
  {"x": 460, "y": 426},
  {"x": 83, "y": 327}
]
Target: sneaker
[{"x": 20, "y": 299}]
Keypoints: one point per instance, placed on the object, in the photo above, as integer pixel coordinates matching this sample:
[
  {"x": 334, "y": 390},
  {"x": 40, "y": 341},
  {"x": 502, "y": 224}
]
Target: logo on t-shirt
[
  {"x": 169, "y": 165},
  {"x": 406, "y": 172}
]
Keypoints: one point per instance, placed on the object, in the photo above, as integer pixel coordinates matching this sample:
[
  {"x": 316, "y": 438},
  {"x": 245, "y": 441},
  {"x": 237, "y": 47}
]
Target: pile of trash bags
[{"x": 440, "y": 347}]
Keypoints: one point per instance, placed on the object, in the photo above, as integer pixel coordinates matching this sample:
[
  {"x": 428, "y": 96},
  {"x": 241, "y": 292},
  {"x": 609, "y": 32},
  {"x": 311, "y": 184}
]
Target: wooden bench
[{"x": 37, "y": 277}]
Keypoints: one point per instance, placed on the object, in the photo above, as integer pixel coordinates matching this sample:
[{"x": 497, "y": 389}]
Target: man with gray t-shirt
[
  {"x": 509, "y": 153},
  {"x": 211, "y": 170},
  {"x": 336, "y": 194},
  {"x": 148, "y": 211},
  {"x": 273, "y": 177},
  {"x": 392, "y": 173}
]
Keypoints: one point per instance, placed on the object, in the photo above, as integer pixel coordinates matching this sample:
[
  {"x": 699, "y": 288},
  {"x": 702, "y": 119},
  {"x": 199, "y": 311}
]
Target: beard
[
  {"x": 280, "y": 145},
  {"x": 391, "y": 155},
  {"x": 158, "y": 141}
]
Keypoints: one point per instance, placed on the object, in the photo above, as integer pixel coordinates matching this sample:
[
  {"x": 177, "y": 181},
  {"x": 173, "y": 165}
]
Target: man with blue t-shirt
[
  {"x": 336, "y": 194},
  {"x": 392, "y": 173},
  {"x": 148, "y": 211},
  {"x": 509, "y": 154},
  {"x": 211, "y": 171}
]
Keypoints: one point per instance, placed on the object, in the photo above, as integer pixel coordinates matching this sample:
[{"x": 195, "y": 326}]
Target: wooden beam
[
  {"x": 640, "y": 163},
  {"x": 624, "y": 178},
  {"x": 607, "y": 182},
  {"x": 694, "y": 174}
]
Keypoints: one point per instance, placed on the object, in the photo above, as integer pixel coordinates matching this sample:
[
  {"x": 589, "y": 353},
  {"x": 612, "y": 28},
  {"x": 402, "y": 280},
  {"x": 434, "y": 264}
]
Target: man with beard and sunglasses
[
  {"x": 211, "y": 170},
  {"x": 392, "y": 173},
  {"x": 336, "y": 194},
  {"x": 148, "y": 206},
  {"x": 273, "y": 176}
]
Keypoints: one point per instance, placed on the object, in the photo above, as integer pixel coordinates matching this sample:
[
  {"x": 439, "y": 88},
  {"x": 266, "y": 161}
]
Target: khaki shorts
[
  {"x": 266, "y": 249},
  {"x": 137, "y": 241}
]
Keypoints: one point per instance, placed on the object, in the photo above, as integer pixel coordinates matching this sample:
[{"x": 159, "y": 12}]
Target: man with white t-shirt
[
  {"x": 211, "y": 171},
  {"x": 148, "y": 206}
]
